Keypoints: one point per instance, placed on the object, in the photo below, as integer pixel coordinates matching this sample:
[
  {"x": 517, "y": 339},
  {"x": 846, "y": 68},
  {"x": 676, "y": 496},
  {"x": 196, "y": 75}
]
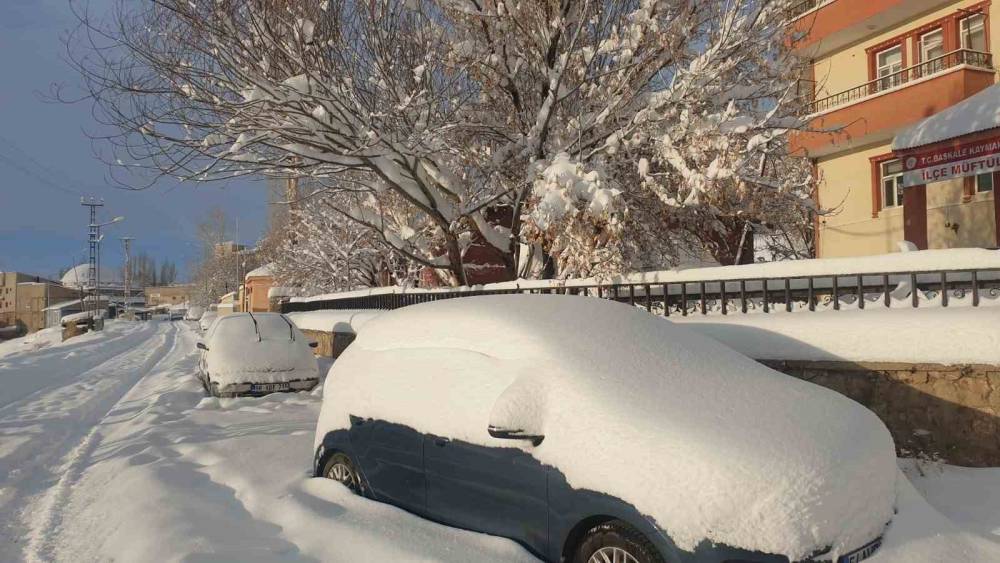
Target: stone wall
[{"x": 946, "y": 412}]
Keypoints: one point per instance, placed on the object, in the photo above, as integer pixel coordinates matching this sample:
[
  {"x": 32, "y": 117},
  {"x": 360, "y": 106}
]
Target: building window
[
  {"x": 888, "y": 63},
  {"x": 973, "y": 33},
  {"x": 892, "y": 183},
  {"x": 984, "y": 182},
  {"x": 931, "y": 48}
]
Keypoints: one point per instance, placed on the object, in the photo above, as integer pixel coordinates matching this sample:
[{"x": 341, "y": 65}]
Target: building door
[{"x": 915, "y": 215}]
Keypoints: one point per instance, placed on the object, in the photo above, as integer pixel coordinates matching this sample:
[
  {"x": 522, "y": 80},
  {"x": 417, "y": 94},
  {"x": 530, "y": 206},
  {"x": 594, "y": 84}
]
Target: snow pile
[
  {"x": 919, "y": 533},
  {"x": 709, "y": 443},
  {"x": 347, "y": 320},
  {"x": 264, "y": 348},
  {"x": 940, "y": 335},
  {"x": 974, "y": 114}
]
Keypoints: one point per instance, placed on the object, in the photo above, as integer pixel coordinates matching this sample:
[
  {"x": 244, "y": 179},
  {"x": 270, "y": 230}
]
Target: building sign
[{"x": 952, "y": 161}]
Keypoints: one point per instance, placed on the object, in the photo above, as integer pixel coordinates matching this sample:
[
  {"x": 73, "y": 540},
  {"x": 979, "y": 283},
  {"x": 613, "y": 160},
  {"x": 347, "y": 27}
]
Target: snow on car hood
[
  {"x": 267, "y": 361},
  {"x": 705, "y": 441}
]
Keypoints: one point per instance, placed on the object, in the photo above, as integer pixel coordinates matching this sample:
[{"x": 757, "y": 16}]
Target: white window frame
[
  {"x": 896, "y": 179},
  {"x": 965, "y": 30},
  {"x": 925, "y": 48},
  {"x": 883, "y": 72}
]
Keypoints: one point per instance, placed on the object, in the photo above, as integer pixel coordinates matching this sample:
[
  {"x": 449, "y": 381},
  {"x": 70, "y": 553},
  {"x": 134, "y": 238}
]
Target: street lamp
[{"x": 97, "y": 296}]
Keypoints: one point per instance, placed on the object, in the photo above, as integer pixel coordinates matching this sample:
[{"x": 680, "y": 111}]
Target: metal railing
[
  {"x": 899, "y": 78},
  {"x": 738, "y": 295}
]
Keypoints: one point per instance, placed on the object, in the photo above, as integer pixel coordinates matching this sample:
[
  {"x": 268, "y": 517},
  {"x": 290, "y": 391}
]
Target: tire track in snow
[{"x": 58, "y": 465}]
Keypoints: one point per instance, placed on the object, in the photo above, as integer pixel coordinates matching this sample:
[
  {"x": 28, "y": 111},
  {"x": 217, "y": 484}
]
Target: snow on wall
[
  {"x": 348, "y": 320},
  {"x": 935, "y": 335},
  {"x": 898, "y": 262}
]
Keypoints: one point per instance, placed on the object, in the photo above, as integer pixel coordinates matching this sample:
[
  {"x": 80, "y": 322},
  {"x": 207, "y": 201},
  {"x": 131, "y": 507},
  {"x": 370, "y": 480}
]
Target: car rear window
[{"x": 236, "y": 327}]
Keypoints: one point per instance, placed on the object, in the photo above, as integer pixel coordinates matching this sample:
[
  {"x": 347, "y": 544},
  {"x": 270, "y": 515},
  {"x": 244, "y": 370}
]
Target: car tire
[
  {"x": 616, "y": 542},
  {"x": 340, "y": 468}
]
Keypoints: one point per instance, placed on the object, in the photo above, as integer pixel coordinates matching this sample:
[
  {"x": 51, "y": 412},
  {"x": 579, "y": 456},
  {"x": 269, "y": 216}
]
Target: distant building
[
  {"x": 24, "y": 298},
  {"x": 904, "y": 134},
  {"x": 228, "y": 248},
  {"x": 169, "y": 294},
  {"x": 254, "y": 297}
]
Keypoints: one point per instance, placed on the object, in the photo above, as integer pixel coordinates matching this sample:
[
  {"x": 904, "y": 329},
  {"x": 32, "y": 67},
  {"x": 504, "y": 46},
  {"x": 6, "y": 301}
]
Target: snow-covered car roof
[{"x": 707, "y": 442}]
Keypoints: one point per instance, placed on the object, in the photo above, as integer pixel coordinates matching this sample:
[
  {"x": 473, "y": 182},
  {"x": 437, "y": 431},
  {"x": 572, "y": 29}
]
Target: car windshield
[
  {"x": 269, "y": 326},
  {"x": 272, "y": 326}
]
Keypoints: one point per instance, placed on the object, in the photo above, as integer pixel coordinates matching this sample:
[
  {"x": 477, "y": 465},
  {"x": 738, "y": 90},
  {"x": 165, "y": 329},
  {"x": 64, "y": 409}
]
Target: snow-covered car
[
  {"x": 256, "y": 354},
  {"x": 206, "y": 320},
  {"x": 588, "y": 430},
  {"x": 194, "y": 313}
]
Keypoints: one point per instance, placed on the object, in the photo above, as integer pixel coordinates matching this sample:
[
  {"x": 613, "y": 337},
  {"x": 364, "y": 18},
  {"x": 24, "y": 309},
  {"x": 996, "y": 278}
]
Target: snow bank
[
  {"x": 921, "y": 534},
  {"x": 898, "y": 262},
  {"x": 348, "y": 320},
  {"x": 939, "y": 335},
  {"x": 709, "y": 443}
]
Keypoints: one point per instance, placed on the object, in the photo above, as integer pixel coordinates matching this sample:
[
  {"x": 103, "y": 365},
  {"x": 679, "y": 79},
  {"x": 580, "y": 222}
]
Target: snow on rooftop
[
  {"x": 261, "y": 272},
  {"x": 977, "y": 113},
  {"x": 79, "y": 276}
]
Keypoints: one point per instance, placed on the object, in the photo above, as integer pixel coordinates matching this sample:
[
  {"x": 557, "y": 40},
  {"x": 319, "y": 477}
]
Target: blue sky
[{"x": 47, "y": 163}]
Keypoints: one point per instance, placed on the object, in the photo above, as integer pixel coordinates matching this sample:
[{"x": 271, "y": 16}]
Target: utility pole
[
  {"x": 127, "y": 242},
  {"x": 92, "y": 240}
]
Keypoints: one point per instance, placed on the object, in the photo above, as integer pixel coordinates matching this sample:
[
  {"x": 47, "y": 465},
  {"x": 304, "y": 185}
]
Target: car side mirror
[
  {"x": 518, "y": 434},
  {"x": 201, "y": 346},
  {"x": 519, "y": 412},
  {"x": 314, "y": 344}
]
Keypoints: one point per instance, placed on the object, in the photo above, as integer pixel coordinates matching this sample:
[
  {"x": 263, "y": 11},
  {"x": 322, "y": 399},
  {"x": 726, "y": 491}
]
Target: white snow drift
[{"x": 709, "y": 443}]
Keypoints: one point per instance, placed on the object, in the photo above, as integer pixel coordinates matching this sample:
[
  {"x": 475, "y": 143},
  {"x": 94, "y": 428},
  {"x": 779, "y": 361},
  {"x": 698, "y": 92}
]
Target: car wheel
[
  {"x": 616, "y": 542},
  {"x": 340, "y": 468}
]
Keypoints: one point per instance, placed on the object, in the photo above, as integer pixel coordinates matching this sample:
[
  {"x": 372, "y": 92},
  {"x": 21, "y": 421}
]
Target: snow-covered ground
[{"x": 109, "y": 450}]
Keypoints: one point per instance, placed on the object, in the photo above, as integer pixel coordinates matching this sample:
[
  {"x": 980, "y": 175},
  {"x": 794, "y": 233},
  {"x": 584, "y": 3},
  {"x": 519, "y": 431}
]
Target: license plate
[
  {"x": 861, "y": 554},
  {"x": 268, "y": 387}
]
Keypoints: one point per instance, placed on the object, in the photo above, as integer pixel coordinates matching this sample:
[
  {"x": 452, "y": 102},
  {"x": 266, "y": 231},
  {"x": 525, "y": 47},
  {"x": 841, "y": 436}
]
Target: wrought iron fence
[
  {"x": 731, "y": 296},
  {"x": 927, "y": 68}
]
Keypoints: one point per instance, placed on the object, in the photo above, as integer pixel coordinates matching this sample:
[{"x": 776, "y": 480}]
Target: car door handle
[{"x": 441, "y": 442}]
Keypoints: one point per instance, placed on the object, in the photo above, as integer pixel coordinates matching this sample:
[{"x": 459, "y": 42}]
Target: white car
[
  {"x": 194, "y": 313},
  {"x": 592, "y": 431},
  {"x": 205, "y": 322},
  {"x": 255, "y": 354}
]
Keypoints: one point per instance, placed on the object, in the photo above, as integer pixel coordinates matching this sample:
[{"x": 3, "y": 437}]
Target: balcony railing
[{"x": 899, "y": 78}]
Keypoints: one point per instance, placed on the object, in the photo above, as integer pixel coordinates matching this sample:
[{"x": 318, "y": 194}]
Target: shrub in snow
[{"x": 710, "y": 444}]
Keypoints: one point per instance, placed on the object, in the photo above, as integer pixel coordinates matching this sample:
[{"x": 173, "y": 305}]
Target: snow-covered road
[{"x": 109, "y": 450}]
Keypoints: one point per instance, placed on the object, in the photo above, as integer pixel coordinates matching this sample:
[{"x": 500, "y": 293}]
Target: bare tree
[{"x": 441, "y": 125}]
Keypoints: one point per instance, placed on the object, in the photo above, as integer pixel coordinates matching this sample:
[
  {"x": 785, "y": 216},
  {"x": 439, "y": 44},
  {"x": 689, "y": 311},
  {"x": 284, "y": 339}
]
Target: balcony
[
  {"x": 823, "y": 26},
  {"x": 875, "y": 110}
]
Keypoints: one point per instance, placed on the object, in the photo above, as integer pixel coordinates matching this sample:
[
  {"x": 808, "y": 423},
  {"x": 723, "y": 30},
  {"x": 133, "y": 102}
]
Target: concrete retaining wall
[{"x": 947, "y": 412}]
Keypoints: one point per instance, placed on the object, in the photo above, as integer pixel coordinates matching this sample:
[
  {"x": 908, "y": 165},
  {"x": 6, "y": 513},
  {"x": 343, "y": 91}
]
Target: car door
[
  {"x": 496, "y": 490},
  {"x": 392, "y": 459}
]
